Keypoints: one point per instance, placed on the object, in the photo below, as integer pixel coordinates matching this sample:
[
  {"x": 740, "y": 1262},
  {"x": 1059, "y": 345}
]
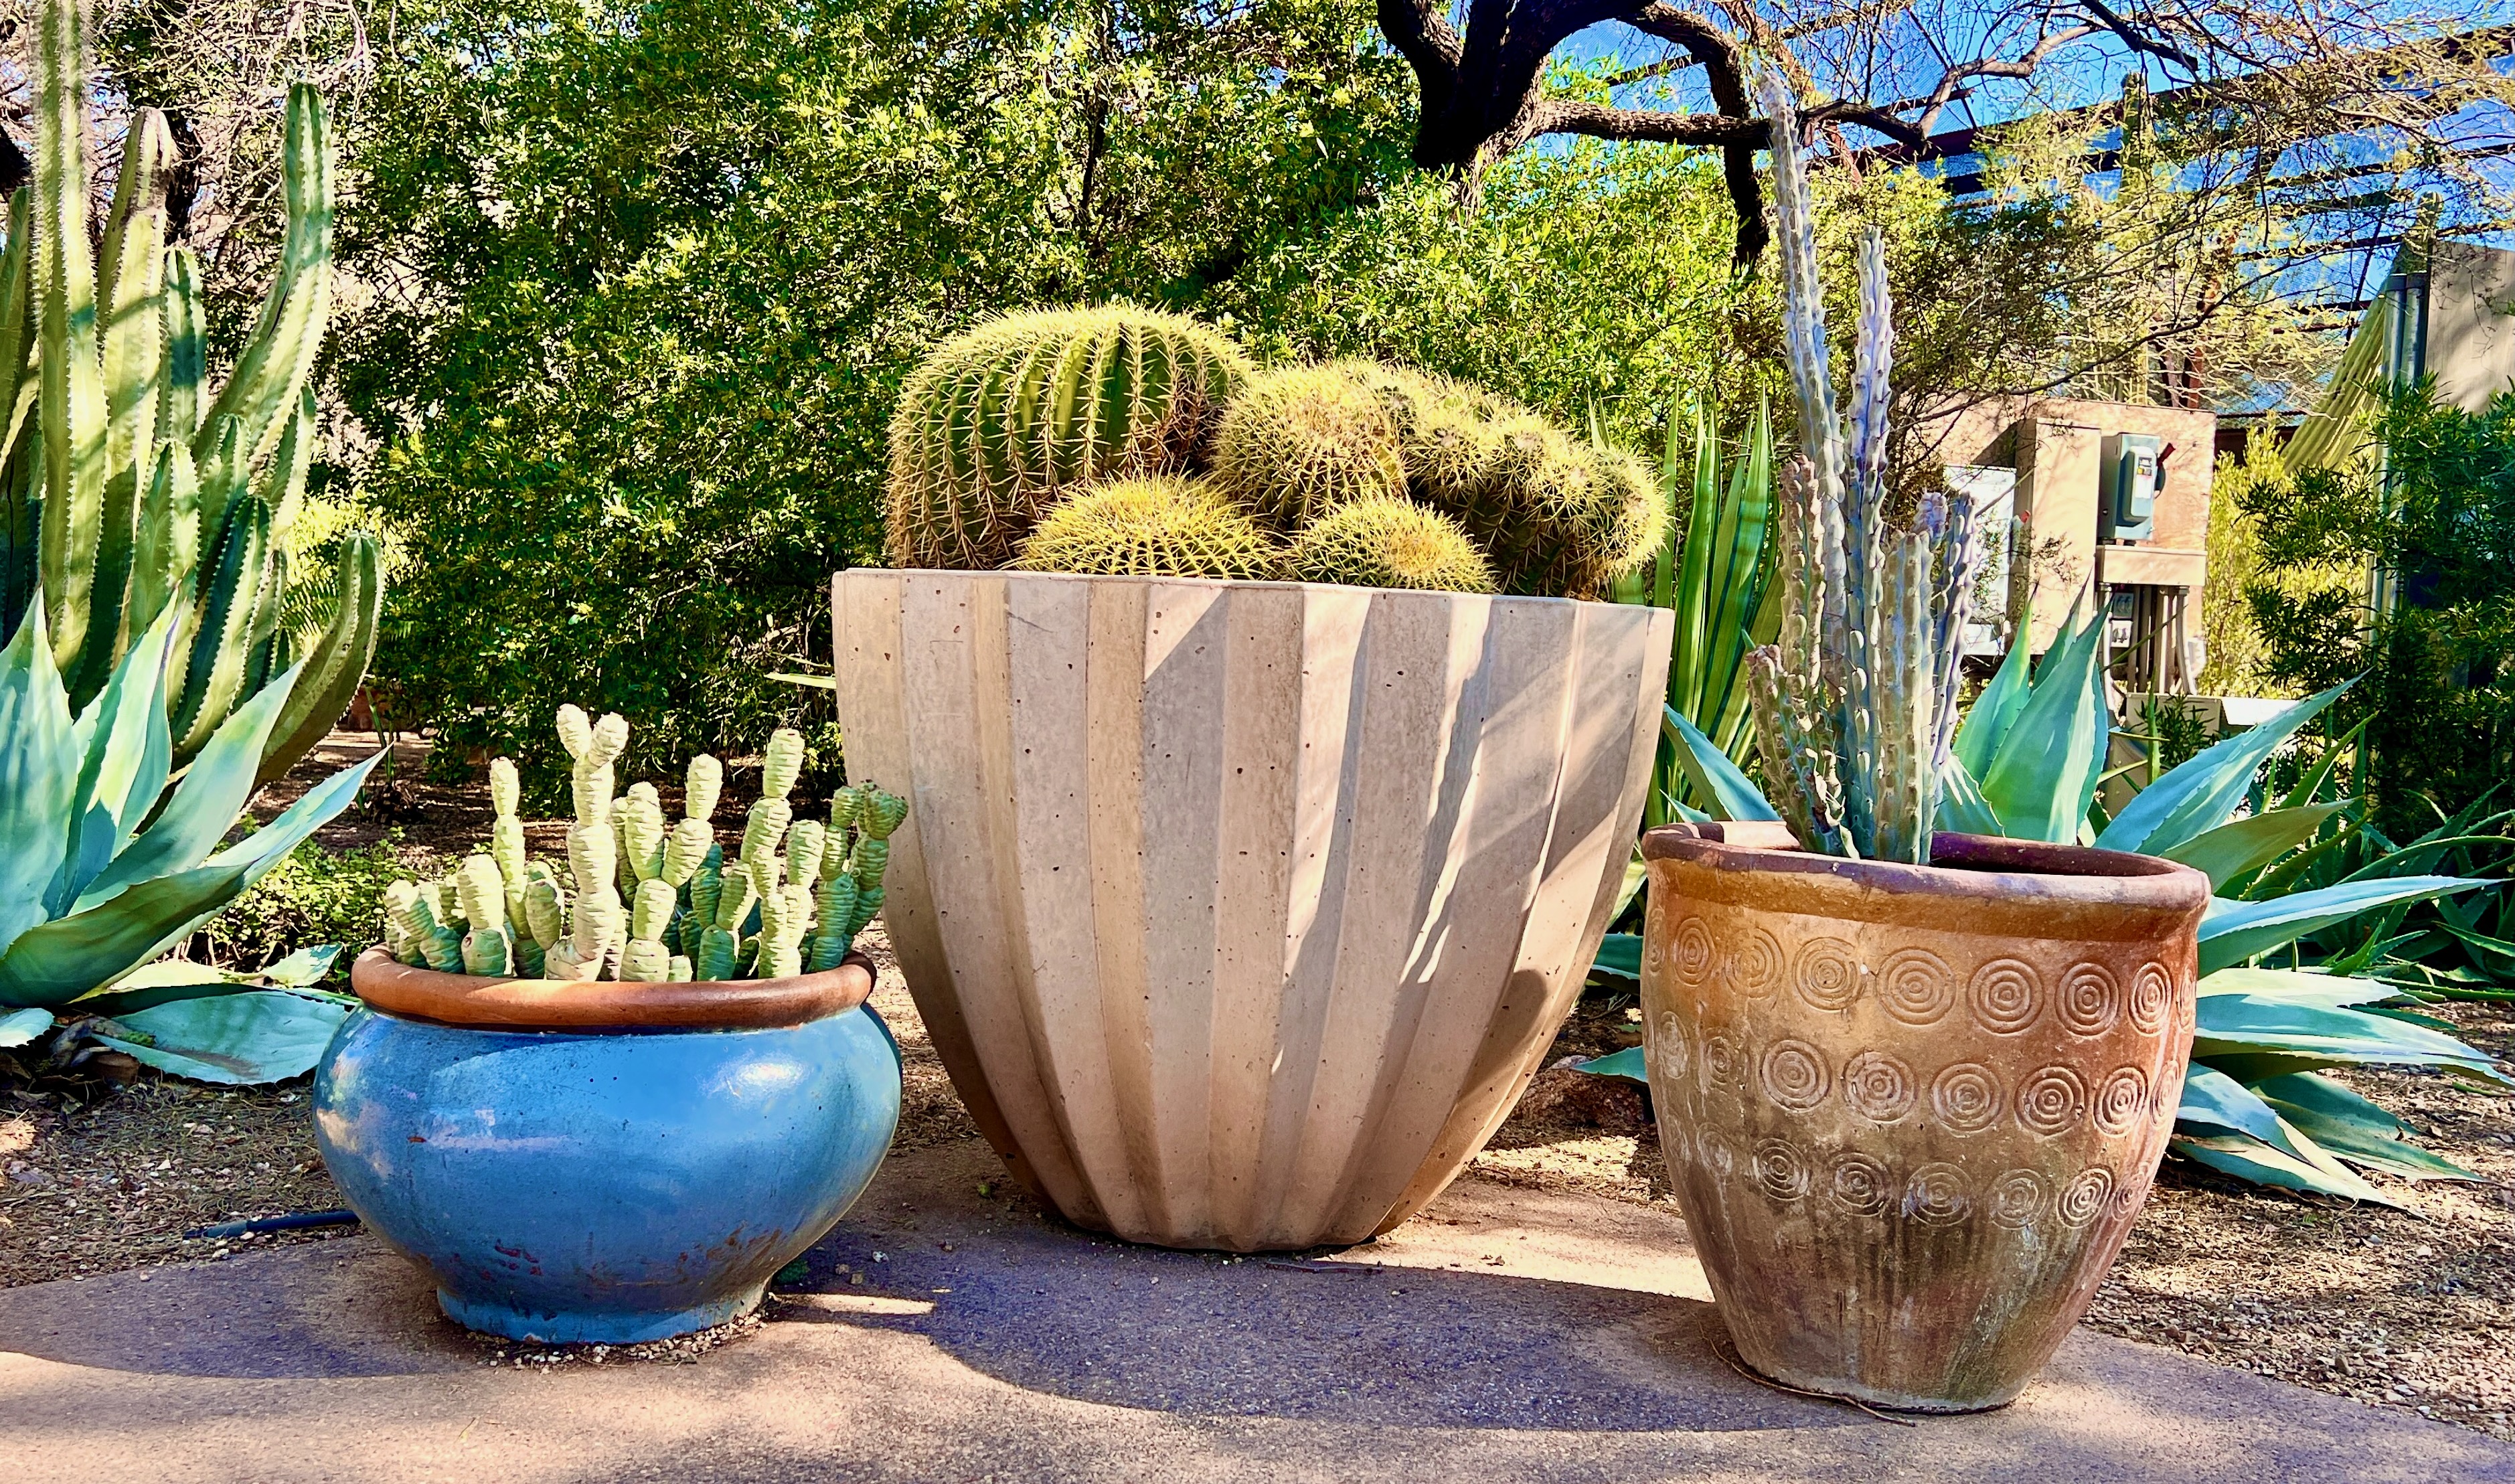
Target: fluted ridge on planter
[{"x": 1240, "y": 913}]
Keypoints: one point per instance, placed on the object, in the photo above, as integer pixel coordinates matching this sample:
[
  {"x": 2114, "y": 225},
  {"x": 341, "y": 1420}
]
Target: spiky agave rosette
[
  {"x": 641, "y": 901},
  {"x": 1855, "y": 703}
]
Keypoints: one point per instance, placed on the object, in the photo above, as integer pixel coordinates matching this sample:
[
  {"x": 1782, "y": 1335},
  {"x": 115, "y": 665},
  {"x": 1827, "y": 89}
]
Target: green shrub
[
  {"x": 314, "y": 896},
  {"x": 2439, "y": 697}
]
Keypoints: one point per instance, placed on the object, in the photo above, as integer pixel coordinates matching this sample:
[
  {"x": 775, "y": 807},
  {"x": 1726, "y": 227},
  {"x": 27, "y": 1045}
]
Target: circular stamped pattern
[
  {"x": 1757, "y": 965},
  {"x": 2053, "y": 1101},
  {"x": 2122, "y": 1101},
  {"x": 1724, "y": 1062},
  {"x": 1669, "y": 1058},
  {"x": 2018, "y": 1198},
  {"x": 2090, "y": 999},
  {"x": 1692, "y": 953},
  {"x": 1877, "y": 1087},
  {"x": 2085, "y": 1197},
  {"x": 2127, "y": 1194},
  {"x": 1780, "y": 1170},
  {"x": 1861, "y": 1185},
  {"x": 2008, "y": 995},
  {"x": 1915, "y": 986},
  {"x": 1937, "y": 1195},
  {"x": 1794, "y": 1074},
  {"x": 1828, "y": 973},
  {"x": 1717, "y": 1156},
  {"x": 1966, "y": 1097},
  {"x": 2151, "y": 995}
]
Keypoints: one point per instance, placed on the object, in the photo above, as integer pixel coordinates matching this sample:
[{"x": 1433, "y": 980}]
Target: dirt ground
[{"x": 2405, "y": 1308}]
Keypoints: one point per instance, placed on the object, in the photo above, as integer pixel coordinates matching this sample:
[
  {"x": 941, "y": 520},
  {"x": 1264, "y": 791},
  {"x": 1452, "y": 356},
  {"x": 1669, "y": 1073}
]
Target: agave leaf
[
  {"x": 2200, "y": 792},
  {"x": 205, "y": 804},
  {"x": 2043, "y": 775},
  {"x": 1994, "y": 710},
  {"x": 2290, "y": 986},
  {"x": 2233, "y": 931},
  {"x": 19, "y": 1026},
  {"x": 1628, "y": 1062},
  {"x": 38, "y": 775},
  {"x": 2240, "y": 848},
  {"x": 2353, "y": 1128},
  {"x": 1961, "y": 803},
  {"x": 63, "y": 960},
  {"x": 304, "y": 969},
  {"x": 254, "y": 1035},
  {"x": 2496, "y": 947},
  {"x": 1716, "y": 779},
  {"x": 2244, "y": 1034},
  {"x": 2216, "y": 1104},
  {"x": 2251, "y": 1159},
  {"x": 1618, "y": 953},
  {"x": 126, "y": 755}
]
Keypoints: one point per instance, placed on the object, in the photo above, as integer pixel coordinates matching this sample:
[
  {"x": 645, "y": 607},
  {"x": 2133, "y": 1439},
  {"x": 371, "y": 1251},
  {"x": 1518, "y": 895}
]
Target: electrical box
[{"x": 2133, "y": 470}]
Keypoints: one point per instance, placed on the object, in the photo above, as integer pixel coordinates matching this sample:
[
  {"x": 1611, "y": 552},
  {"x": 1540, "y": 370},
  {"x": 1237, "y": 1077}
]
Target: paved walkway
[{"x": 1504, "y": 1337}]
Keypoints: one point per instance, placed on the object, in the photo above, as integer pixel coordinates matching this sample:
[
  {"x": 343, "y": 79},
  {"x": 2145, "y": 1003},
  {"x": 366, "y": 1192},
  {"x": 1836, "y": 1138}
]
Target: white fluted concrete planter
[{"x": 1241, "y": 913}]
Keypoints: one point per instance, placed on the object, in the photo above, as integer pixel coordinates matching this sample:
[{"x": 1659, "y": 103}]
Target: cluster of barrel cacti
[
  {"x": 644, "y": 901},
  {"x": 127, "y": 488},
  {"x": 1118, "y": 441},
  {"x": 1855, "y": 704}
]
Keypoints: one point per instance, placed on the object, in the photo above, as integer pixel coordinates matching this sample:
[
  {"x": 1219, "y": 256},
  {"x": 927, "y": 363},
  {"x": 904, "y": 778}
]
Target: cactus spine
[
  {"x": 1391, "y": 543},
  {"x": 1854, "y": 704},
  {"x": 121, "y": 496},
  {"x": 1160, "y": 526},
  {"x": 1303, "y": 441},
  {"x": 997, "y": 424}
]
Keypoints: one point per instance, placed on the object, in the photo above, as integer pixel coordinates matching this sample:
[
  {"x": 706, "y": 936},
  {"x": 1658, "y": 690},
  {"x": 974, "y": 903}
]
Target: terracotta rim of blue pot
[{"x": 509, "y": 1004}]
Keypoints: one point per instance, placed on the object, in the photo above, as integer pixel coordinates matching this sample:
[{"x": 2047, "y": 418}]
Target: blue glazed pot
[{"x": 605, "y": 1186}]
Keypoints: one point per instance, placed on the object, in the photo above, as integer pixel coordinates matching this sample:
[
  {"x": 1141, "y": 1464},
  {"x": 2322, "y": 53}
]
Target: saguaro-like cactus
[
  {"x": 120, "y": 494},
  {"x": 997, "y": 424},
  {"x": 1855, "y": 704}
]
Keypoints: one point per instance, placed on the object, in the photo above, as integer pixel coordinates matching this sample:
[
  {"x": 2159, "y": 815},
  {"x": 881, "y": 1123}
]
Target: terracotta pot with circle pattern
[{"x": 1911, "y": 1111}]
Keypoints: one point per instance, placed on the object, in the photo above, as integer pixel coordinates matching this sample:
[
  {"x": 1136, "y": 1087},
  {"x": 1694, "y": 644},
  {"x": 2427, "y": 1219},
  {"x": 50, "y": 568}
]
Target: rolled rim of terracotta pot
[
  {"x": 1985, "y": 882},
  {"x": 608, "y": 1005}
]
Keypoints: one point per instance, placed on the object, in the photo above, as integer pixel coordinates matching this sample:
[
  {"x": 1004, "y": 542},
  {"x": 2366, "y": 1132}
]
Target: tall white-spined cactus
[{"x": 1854, "y": 703}]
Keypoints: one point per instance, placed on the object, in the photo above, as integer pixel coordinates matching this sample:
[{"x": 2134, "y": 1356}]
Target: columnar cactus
[
  {"x": 790, "y": 897},
  {"x": 598, "y": 919},
  {"x": 1855, "y": 704},
  {"x": 486, "y": 948},
  {"x": 132, "y": 497}
]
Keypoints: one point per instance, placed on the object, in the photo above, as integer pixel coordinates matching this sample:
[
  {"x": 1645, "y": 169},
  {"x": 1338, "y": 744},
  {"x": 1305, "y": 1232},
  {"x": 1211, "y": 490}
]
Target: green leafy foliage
[
  {"x": 314, "y": 895},
  {"x": 2438, "y": 703}
]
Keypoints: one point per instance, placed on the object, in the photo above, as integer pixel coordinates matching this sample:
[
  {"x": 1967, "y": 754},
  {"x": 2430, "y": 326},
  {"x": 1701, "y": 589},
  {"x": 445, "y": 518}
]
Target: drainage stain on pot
[{"x": 1911, "y": 1112}]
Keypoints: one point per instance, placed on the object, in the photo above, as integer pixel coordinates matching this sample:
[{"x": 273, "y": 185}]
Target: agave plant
[
  {"x": 104, "y": 866},
  {"x": 1715, "y": 570}
]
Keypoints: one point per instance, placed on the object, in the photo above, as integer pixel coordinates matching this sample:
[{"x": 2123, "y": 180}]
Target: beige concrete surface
[{"x": 1503, "y": 1334}]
